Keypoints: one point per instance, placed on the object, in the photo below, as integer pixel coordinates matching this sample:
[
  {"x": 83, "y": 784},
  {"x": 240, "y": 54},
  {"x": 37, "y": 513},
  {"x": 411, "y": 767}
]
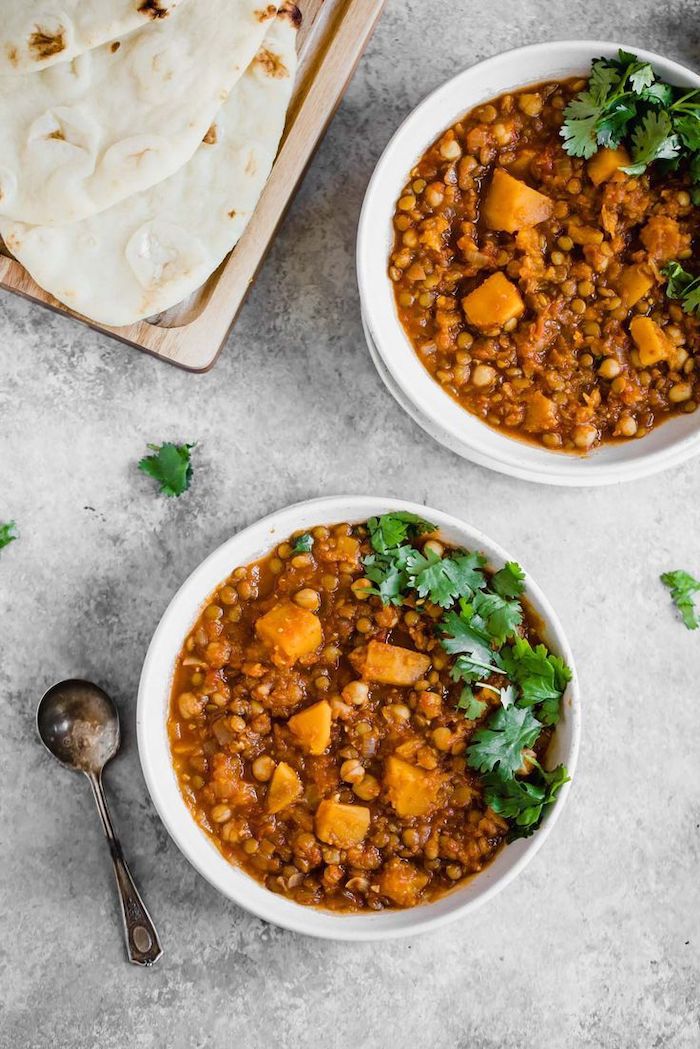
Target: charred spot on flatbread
[
  {"x": 153, "y": 9},
  {"x": 266, "y": 13},
  {"x": 43, "y": 44},
  {"x": 271, "y": 64},
  {"x": 291, "y": 12},
  {"x": 211, "y": 137},
  {"x": 115, "y": 46}
]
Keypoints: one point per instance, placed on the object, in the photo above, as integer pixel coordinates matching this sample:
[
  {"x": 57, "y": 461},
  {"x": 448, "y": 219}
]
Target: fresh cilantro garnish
[
  {"x": 8, "y": 533},
  {"x": 541, "y": 677},
  {"x": 303, "y": 545},
  {"x": 509, "y": 580},
  {"x": 480, "y": 629},
  {"x": 522, "y": 801},
  {"x": 624, "y": 100},
  {"x": 471, "y": 707},
  {"x": 682, "y": 586},
  {"x": 500, "y": 744},
  {"x": 390, "y": 530},
  {"x": 683, "y": 285},
  {"x": 170, "y": 466}
]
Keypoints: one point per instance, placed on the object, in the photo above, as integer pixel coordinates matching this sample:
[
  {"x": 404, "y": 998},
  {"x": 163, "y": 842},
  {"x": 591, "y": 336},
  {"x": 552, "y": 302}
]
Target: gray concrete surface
[{"x": 598, "y": 943}]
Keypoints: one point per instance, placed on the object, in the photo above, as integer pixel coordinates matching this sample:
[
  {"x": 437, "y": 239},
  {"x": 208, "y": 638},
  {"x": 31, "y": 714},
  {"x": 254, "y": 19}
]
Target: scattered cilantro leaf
[
  {"x": 509, "y": 580},
  {"x": 390, "y": 530},
  {"x": 170, "y": 465},
  {"x": 501, "y": 617},
  {"x": 500, "y": 745},
  {"x": 684, "y": 286},
  {"x": 653, "y": 138},
  {"x": 8, "y": 533},
  {"x": 443, "y": 579},
  {"x": 541, "y": 677},
  {"x": 682, "y": 586},
  {"x": 303, "y": 544}
]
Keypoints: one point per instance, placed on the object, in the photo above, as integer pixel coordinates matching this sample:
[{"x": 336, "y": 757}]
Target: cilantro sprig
[
  {"x": 683, "y": 285},
  {"x": 683, "y": 586},
  {"x": 170, "y": 465},
  {"x": 8, "y": 533},
  {"x": 624, "y": 100},
  {"x": 481, "y": 629}
]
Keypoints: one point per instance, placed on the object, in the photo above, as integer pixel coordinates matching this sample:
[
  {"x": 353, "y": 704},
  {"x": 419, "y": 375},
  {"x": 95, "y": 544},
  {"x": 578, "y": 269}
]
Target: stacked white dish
[{"x": 398, "y": 365}]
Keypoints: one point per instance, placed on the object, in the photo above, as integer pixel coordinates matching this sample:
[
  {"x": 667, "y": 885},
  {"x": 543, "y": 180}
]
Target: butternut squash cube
[
  {"x": 635, "y": 282},
  {"x": 605, "y": 163},
  {"x": 312, "y": 727},
  {"x": 402, "y": 882},
  {"x": 493, "y": 303},
  {"x": 285, "y": 787},
  {"x": 341, "y": 825},
  {"x": 291, "y": 630},
  {"x": 511, "y": 205},
  {"x": 390, "y": 664},
  {"x": 652, "y": 344},
  {"x": 412, "y": 791}
]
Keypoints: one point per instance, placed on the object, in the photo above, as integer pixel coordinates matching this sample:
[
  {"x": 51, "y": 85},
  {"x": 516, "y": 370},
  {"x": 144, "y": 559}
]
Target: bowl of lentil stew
[
  {"x": 295, "y": 691},
  {"x": 502, "y": 423}
]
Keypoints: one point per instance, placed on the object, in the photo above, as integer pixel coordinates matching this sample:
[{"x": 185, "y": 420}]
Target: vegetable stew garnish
[
  {"x": 170, "y": 465},
  {"x": 8, "y": 533},
  {"x": 683, "y": 587},
  {"x": 362, "y": 718}
]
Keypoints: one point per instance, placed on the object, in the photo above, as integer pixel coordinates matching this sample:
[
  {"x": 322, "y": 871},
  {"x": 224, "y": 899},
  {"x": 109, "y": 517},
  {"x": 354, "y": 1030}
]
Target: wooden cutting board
[{"x": 332, "y": 37}]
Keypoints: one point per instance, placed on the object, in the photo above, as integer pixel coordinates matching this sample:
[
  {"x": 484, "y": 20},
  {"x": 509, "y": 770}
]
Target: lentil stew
[
  {"x": 529, "y": 282},
  {"x": 319, "y": 727}
]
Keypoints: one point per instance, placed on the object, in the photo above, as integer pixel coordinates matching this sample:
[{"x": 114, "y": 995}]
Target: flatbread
[
  {"x": 152, "y": 250},
  {"x": 35, "y": 34},
  {"x": 82, "y": 135}
]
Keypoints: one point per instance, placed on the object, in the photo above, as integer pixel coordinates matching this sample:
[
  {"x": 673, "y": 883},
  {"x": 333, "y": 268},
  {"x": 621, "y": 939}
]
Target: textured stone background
[{"x": 598, "y": 943}]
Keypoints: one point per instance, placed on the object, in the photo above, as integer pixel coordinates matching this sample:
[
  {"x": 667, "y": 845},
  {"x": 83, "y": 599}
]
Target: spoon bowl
[{"x": 78, "y": 723}]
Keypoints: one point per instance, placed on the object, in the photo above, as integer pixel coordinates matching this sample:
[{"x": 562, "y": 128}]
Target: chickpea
[
  {"x": 357, "y": 692},
  {"x": 352, "y": 771},
  {"x": 610, "y": 368},
  {"x": 627, "y": 426},
  {"x": 367, "y": 789},
  {"x": 585, "y": 436},
  {"x": 221, "y": 813},
  {"x": 442, "y": 738},
  {"x": 189, "y": 705},
  {"x": 681, "y": 391},
  {"x": 483, "y": 375}
]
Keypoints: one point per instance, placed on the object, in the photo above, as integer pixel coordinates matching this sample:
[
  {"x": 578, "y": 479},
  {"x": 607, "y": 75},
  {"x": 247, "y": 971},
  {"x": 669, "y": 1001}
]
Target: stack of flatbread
[{"x": 136, "y": 137}]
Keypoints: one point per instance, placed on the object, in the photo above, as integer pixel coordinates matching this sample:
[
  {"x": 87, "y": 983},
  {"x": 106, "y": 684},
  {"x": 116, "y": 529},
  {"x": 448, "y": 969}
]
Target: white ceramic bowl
[
  {"x": 442, "y": 417},
  {"x": 154, "y": 750}
]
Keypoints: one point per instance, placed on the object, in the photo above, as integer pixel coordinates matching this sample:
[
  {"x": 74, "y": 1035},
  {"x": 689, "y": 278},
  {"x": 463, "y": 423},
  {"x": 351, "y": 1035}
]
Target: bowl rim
[
  {"x": 154, "y": 752},
  {"x": 670, "y": 444}
]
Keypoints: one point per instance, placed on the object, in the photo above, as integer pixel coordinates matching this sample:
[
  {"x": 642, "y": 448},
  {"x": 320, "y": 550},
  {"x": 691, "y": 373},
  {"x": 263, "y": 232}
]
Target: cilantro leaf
[
  {"x": 500, "y": 744},
  {"x": 388, "y": 573},
  {"x": 682, "y": 586},
  {"x": 8, "y": 533},
  {"x": 501, "y": 617},
  {"x": 170, "y": 466},
  {"x": 304, "y": 544},
  {"x": 464, "y": 637},
  {"x": 579, "y": 129},
  {"x": 471, "y": 707},
  {"x": 509, "y": 581},
  {"x": 641, "y": 76},
  {"x": 682, "y": 285},
  {"x": 653, "y": 139},
  {"x": 541, "y": 677},
  {"x": 523, "y": 800},
  {"x": 443, "y": 579},
  {"x": 390, "y": 530}
]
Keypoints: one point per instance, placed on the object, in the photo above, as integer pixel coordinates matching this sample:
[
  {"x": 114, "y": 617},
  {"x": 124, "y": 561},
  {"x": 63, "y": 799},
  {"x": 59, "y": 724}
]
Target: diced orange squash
[
  {"x": 312, "y": 727},
  {"x": 412, "y": 791},
  {"x": 341, "y": 825},
  {"x": 605, "y": 163},
  {"x": 493, "y": 303},
  {"x": 542, "y": 414},
  {"x": 344, "y": 548},
  {"x": 635, "y": 282},
  {"x": 291, "y": 630},
  {"x": 402, "y": 882},
  {"x": 585, "y": 234},
  {"x": 391, "y": 665},
  {"x": 511, "y": 205},
  {"x": 652, "y": 344},
  {"x": 285, "y": 787}
]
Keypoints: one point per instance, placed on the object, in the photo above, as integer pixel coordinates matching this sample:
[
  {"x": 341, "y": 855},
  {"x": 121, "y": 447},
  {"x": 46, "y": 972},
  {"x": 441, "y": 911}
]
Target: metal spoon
[{"x": 79, "y": 724}]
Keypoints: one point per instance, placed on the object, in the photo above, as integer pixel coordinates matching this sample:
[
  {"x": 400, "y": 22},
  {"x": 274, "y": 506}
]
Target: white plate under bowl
[
  {"x": 154, "y": 749},
  {"x": 668, "y": 445}
]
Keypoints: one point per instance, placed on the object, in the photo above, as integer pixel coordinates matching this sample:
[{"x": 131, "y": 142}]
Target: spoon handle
[{"x": 142, "y": 945}]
